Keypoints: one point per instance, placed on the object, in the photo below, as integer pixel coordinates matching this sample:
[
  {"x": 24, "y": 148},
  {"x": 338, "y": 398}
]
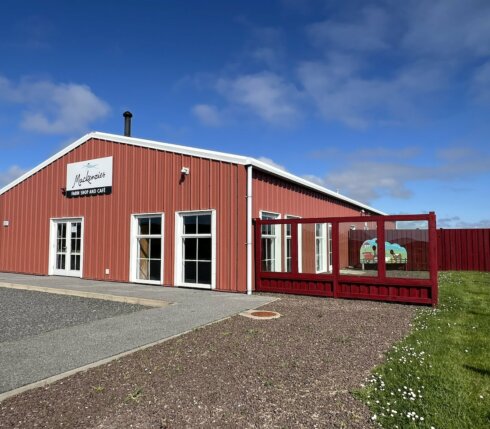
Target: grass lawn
[{"x": 439, "y": 376}]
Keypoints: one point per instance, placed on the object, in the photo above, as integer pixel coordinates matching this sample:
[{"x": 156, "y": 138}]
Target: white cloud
[
  {"x": 269, "y": 161},
  {"x": 480, "y": 85},
  {"x": 384, "y": 63},
  {"x": 454, "y": 29},
  {"x": 207, "y": 115},
  {"x": 268, "y": 46},
  {"x": 10, "y": 175},
  {"x": 367, "y": 33},
  {"x": 364, "y": 178},
  {"x": 457, "y": 222},
  {"x": 341, "y": 93},
  {"x": 52, "y": 108},
  {"x": 265, "y": 94}
]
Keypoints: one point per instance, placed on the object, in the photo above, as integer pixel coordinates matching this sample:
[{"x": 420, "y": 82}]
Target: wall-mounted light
[
  {"x": 185, "y": 171},
  {"x": 5, "y": 223}
]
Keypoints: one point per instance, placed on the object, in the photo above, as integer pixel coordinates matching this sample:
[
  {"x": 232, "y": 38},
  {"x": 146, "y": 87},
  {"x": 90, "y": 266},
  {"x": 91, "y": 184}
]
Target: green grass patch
[{"x": 439, "y": 376}]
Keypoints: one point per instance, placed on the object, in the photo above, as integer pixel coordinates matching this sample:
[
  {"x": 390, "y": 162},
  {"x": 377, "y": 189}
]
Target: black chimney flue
[{"x": 127, "y": 123}]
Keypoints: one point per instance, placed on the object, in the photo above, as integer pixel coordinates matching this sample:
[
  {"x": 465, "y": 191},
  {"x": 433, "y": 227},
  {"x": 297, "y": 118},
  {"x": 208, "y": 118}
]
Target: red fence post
[
  {"x": 294, "y": 248},
  {"x": 335, "y": 258},
  {"x": 433, "y": 256},
  {"x": 380, "y": 226}
]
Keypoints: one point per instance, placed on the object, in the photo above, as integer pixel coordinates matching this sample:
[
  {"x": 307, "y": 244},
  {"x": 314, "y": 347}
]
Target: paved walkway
[{"x": 39, "y": 357}]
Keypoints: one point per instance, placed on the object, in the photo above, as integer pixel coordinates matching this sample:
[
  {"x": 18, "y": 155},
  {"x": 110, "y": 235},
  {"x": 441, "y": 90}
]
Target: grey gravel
[
  {"x": 31, "y": 359},
  {"x": 26, "y": 313}
]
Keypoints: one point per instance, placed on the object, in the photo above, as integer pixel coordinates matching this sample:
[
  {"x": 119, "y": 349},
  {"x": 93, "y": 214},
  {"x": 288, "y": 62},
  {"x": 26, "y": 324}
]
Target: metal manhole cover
[{"x": 261, "y": 314}]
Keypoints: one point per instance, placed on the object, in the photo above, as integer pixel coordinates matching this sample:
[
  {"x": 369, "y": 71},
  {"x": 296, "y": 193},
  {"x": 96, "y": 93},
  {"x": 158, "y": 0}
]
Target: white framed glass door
[{"x": 66, "y": 247}]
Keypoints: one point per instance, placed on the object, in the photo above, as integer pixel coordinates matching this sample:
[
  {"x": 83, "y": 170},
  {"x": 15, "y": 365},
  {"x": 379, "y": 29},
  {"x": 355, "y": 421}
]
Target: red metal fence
[
  {"x": 463, "y": 249},
  {"x": 352, "y": 265}
]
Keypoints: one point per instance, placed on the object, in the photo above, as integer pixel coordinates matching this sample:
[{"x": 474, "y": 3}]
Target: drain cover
[{"x": 261, "y": 314}]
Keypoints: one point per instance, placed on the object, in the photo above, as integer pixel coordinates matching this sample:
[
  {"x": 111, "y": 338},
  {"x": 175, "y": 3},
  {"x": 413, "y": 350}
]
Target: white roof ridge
[{"x": 191, "y": 151}]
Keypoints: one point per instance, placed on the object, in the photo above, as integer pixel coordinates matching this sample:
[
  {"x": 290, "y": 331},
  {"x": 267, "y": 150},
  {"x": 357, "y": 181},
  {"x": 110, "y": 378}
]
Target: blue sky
[{"x": 387, "y": 101}]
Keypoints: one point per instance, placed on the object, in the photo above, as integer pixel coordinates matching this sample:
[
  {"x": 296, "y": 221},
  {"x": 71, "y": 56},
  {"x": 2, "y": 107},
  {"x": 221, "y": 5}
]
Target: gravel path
[
  {"x": 293, "y": 372},
  {"x": 26, "y": 313}
]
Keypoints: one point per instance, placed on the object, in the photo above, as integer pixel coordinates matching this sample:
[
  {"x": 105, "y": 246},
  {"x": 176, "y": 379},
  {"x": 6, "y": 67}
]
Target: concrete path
[{"x": 36, "y": 358}]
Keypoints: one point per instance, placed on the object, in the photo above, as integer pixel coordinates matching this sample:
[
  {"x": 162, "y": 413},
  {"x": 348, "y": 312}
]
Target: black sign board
[{"x": 104, "y": 190}]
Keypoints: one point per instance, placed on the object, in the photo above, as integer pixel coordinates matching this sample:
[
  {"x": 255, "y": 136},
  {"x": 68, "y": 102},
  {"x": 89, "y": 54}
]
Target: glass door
[{"x": 67, "y": 258}]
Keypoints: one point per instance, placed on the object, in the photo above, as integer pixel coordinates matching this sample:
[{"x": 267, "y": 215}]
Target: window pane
[
  {"x": 155, "y": 248},
  {"x": 204, "y": 272},
  {"x": 156, "y": 226},
  {"x": 204, "y": 222},
  {"x": 143, "y": 272},
  {"x": 190, "y": 224},
  {"x": 358, "y": 246},
  {"x": 204, "y": 249},
  {"x": 61, "y": 230},
  {"x": 60, "y": 262},
  {"x": 144, "y": 248},
  {"x": 190, "y": 248},
  {"x": 190, "y": 271},
  {"x": 143, "y": 226},
  {"x": 155, "y": 269},
  {"x": 407, "y": 249}
]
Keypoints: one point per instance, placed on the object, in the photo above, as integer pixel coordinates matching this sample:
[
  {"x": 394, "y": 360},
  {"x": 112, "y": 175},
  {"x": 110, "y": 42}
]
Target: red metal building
[{"x": 118, "y": 208}]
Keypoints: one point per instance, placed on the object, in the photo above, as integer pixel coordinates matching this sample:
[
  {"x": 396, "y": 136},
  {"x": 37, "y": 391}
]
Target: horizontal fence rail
[
  {"x": 463, "y": 249},
  {"x": 341, "y": 257}
]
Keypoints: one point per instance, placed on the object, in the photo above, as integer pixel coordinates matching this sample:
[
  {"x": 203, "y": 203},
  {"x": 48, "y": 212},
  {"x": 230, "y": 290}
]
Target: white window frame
[
  {"x": 133, "y": 277},
  {"x": 323, "y": 237},
  {"x": 52, "y": 244},
  {"x": 300, "y": 244},
  {"x": 179, "y": 256},
  {"x": 329, "y": 248},
  {"x": 277, "y": 238}
]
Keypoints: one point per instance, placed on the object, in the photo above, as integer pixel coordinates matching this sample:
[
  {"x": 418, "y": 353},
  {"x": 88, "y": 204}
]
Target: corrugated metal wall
[
  {"x": 274, "y": 194},
  {"x": 144, "y": 181},
  {"x": 464, "y": 249}
]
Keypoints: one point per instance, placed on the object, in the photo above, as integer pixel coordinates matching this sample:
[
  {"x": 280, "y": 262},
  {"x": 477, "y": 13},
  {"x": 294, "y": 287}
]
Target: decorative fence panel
[{"x": 340, "y": 257}]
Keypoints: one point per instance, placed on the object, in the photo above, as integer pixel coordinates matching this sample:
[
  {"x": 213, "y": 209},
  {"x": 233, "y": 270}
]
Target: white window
[
  {"x": 195, "y": 262},
  {"x": 323, "y": 247},
  {"x": 271, "y": 243},
  {"x": 288, "y": 245},
  {"x": 147, "y": 248},
  {"x": 320, "y": 247}
]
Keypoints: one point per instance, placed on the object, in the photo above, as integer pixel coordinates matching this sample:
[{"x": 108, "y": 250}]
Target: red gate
[{"x": 340, "y": 257}]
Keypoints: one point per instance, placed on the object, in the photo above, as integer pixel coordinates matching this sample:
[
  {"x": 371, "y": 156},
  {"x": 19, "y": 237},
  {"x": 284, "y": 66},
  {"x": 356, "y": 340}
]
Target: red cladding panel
[{"x": 271, "y": 193}]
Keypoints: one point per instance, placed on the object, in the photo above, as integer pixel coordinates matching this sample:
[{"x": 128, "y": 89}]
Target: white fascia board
[
  {"x": 196, "y": 152},
  {"x": 170, "y": 147}
]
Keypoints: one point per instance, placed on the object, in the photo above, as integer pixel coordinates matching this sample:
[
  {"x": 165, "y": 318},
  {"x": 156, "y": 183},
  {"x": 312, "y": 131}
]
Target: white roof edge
[
  {"x": 289, "y": 176},
  {"x": 186, "y": 150}
]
